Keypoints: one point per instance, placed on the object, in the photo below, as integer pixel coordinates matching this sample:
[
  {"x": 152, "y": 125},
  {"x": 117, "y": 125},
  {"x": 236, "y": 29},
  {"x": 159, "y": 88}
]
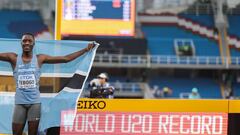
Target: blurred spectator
[
  {"x": 157, "y": 93},
  {"x": 167, "y": 92},
  {"x": 228, "y": 92},
  {"x": 100, "y": 88},
  {"x": 194, "y": 94},
  {"x": 118, "y": 85}
]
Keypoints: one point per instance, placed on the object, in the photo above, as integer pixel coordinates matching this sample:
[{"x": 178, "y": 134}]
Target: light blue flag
[{"x": 52, "y": 104}]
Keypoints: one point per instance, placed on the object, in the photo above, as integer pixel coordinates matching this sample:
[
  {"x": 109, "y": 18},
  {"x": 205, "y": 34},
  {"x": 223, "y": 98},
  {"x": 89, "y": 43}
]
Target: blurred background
[{"x": 149, "y": 48}]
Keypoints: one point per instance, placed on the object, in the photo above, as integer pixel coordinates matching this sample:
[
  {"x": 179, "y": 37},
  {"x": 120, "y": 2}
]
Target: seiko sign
[{"x": 92, "y": 104}]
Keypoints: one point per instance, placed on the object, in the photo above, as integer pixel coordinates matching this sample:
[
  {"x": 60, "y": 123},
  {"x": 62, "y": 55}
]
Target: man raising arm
[{"x": 26, "y": 70}]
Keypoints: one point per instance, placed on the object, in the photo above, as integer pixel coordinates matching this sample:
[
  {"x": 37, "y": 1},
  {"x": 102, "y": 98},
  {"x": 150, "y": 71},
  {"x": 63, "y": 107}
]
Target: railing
[
  {"x": 200, "y": 9},
  {"x": 235, "y": 11},
  {"x": 184, "y": 95},
  {"x": 186, "y": 60},
  {"x": 115, "y": 60},
  {"x": 193, "y": 8},
  {"x": 235, "y": 60},
  {"x": 21, "y": 4},
  {"x": 130, "y": 89},
  {"x": 118, "y": 58},
  {"x": 151, "y": 61},
  {"x": 196, "y": 8},
  {"x": 126, "y": 86}
]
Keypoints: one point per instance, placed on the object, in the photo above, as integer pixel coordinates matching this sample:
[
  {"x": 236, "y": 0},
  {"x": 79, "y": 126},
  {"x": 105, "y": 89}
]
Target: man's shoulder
[
  {"x": 41, "y": 56},
  {"x": 12, "y": 55}
]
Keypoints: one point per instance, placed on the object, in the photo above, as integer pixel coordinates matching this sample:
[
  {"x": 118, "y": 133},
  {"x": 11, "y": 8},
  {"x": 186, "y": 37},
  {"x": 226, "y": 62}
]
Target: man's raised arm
[
  {"x": 42, "y": 58},
  {"x": 9, "y": 57}
]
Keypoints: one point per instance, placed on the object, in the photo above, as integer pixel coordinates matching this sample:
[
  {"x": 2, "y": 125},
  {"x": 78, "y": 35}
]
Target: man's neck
[{"x": 27, "y": 54}]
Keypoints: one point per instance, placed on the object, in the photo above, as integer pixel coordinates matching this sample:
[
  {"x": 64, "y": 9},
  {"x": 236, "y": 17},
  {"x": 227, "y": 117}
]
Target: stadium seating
[
  {"x": 161, "y": 41},
  {"x": 202, "y": 19},
  {"x": 16, "y": 22},
  {"x": 208, "y": 88},
  {"x": 234, "y": 31},
  {"x": 234, "y": 52},
  {"x": 236, "y": 89},
  {"x": 234, "y": 28}
]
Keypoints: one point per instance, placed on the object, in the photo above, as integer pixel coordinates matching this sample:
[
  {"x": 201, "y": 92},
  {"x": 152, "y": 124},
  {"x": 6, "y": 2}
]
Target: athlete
[{"x": 26, "y": 70}]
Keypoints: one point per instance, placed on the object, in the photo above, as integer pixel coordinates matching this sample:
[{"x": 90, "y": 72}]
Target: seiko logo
[{"x": 91, "y": 104}]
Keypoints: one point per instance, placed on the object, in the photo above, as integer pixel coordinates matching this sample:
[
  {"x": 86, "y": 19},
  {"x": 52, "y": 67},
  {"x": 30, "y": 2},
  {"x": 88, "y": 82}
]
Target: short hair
[{"x": 30, "y": 34}]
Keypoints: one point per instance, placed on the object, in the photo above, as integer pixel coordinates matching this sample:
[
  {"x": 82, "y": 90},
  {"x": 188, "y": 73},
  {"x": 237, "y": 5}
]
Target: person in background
[
  {"x": 194, "y": 94},
  {"x": 157, "y": 93},
  {"x": 118, "y": 86},
  {"x": 166, "y": 92},
  {"x": 100, "y": 88}
]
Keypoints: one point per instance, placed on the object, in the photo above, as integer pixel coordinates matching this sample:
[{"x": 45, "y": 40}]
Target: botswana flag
[{"x": 52, "y": 104}]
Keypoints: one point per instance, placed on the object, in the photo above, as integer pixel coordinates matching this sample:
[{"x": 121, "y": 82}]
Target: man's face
[
  {"x": 102, "y": 80},
  {"x": 27, "y": 43}
]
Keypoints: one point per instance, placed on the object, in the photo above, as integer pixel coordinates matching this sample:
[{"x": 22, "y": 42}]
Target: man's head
[
  {"x": 103, "y": 78},
  {"x": 28, "y": 42}
]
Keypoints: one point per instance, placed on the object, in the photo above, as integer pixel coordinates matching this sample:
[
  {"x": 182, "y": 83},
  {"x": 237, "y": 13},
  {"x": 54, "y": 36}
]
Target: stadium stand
[
  {"x": 236, "y": 89},
  {"x": 161, "y": 38},
  {"x": 202, "y": 19},
  {"x": 234, "y": 31},
  {"x": 234, "y": 25},
  {"x": 161, "y": 41},
  {"x": 207, "y": 87},
  {"x": 234, "y": 52},
  {"x": 16, "y": 22}
]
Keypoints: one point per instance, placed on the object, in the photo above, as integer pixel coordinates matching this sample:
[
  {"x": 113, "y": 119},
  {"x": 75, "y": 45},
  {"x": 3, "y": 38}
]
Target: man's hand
[{"x": 90, "y": 46}]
